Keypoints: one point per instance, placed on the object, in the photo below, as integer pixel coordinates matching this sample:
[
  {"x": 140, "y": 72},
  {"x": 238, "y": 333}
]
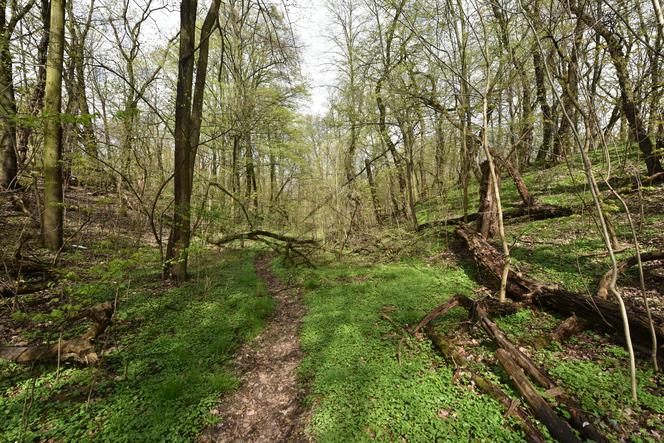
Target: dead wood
[
  {"x": 22, "y": 287},
  {"x": 450, "y": 352},
  {"x": 289, "y": 244},
  {"x": 568, "y": 328},
  {"x": 651, "y": 180},
  {"x": 488, "y": 306},
  {"x": 578, "y": 418},
  {"x": 558, "y": 428},
  {"x": 80, "y": 349},
  {"x": 521, "y": 187},
  {"x": 257, "y": 234},
  {"x": 479, "y": 311},
  {"x": 603, "y": 315},
  {"x": 25, "y": 276},
  {"x": 605, "y": 281},
  {"x": 522, "y": 213}
]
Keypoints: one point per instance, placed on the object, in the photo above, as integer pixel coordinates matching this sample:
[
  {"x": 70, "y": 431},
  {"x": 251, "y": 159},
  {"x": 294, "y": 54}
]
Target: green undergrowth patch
[
  {"x": 597, "y": 374},
  {"x": 358, "y": 389},
  {"x": 570, "y": 251},
  {"x": 165, "y": 366}
]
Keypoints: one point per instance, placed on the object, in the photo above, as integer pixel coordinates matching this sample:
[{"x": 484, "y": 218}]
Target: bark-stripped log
[
  {"x": 480, "y": 311},
  {"x": 447, "y": 349}
]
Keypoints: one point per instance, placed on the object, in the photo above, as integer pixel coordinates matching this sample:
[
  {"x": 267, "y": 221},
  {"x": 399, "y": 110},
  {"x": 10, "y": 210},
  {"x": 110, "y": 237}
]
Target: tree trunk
[
  {"x": 602, "y": 315},
  {"x": 629, "y": 106},
  {"x": 487, "y": 224},
  {"x": 373, "y": 191},
  {"x": 385, "y": 135},
  {"x": 52, "y": 222},
  {"x": 547, "y": 119},
  {"x": 521, "y": 187},
  {"x": 558, "y": 428},
  {"x": 8, "y": 154},
  {"x": 178, "y": 240}
]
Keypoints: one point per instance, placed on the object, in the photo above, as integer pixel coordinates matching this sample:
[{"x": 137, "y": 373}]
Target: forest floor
[{"x": 217, "y": 357}]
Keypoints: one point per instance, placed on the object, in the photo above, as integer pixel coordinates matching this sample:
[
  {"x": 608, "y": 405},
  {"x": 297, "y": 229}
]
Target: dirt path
[{"x": 267, "y": 406}]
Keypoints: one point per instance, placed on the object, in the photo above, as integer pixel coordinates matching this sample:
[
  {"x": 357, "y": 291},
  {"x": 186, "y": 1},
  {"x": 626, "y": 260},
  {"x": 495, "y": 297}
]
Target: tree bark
[
  {"x": 373, "y": 191},
  {"x": 547, "y": 118},
  {"x": 52, "y": 221},
  {"x": 8, "y": 147},
  {"x": 487, "y": 223},
  {"x": 558, "y": 428},
  {"x": 178, "y": 240},
  {"x": 603, "y": 315}
]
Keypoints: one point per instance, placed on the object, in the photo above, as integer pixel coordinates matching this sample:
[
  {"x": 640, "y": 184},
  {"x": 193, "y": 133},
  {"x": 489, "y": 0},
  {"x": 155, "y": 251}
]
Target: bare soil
[{"x": 268, "y": 405}]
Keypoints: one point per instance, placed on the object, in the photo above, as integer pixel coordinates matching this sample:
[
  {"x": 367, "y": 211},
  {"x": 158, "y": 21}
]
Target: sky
[
  {"x": 311, "y": 22},
  {"x": 312, "y": 25}
]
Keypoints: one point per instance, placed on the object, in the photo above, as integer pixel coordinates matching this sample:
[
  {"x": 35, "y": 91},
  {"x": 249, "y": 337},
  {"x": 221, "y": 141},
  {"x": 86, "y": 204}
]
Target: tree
[
  {"x": 8, "y": 149},
  {"x": 630, "y": 106},
  {"x": 52, "y": 218},
  {"x": 188, "y": 118}
]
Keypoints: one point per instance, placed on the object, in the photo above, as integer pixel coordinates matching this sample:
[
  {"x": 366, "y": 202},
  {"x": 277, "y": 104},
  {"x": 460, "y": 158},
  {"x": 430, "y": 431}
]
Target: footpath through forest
[{"x": 268, "y": 405}]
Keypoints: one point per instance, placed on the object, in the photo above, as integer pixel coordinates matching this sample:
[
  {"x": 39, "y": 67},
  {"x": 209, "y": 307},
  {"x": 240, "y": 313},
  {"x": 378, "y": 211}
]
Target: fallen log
[
  {"x": 605, "y": 281},
  {"x": 478, "y": 311},
  {"x": 488, "y": 306},
  {"x": 80, "y": 349},
  {"x": 266, "y": 237},
  {"x": 511, "y": 405},
  {"x": 568, "y": 328},
  {"x": 578, "y": 418},
  {"x": 22, "y": 287},
  {"x": 525, "y": 213},
  {"x": 521, "y": 187},
  {"x": 256, "y": 234},
  {"x": 558, "y": 428},
  {"x": 652, "y": 180},
  {"x": 603, "y": 315}
]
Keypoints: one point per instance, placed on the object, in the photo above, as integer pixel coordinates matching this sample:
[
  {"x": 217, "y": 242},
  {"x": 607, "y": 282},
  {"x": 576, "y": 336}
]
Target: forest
[{"x": 331, "y": 220}]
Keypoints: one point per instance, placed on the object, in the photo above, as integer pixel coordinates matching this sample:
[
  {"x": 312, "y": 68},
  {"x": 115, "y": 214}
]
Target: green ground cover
[
  {"x": 166, "y": 369},
  {"x": 359, "y": 390}
]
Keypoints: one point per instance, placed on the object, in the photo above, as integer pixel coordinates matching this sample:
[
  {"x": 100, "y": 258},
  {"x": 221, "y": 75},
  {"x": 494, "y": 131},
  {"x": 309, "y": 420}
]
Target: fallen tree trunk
[
  {"x": 568, "y": 328},
  {"x": 578, "y": 418},
  {"x": 600, "y": 313},
  {"x": 511, "y": 405},
  {"x": 288, "y": 242},
  {"x": 486, "y": 306},
  {"x": 80, "y": 349},
  {"x": 12, "y": 289},
  {"x": 605, "y": 281},
  {"x": 558, "y": 428},
  {"x": 257, "y": 234},
  {"x": 530, "y": 213},
  {"x": 480, "y": 311},
  {"x": 521, "y": 187}
]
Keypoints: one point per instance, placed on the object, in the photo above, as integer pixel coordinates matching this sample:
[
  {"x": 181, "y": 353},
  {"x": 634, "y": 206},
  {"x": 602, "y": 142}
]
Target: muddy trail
[{"x": 267, "y": 407}]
